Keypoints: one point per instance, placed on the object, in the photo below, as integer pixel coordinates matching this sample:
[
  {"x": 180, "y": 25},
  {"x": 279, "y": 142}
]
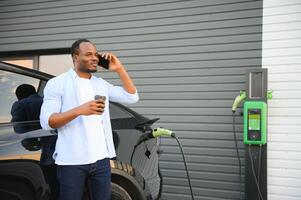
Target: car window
[{"x": 11, "y": 85}]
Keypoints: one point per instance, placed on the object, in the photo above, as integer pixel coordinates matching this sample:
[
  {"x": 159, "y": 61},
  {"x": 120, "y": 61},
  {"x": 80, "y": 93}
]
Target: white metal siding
[{"x": 282, "y": 57}]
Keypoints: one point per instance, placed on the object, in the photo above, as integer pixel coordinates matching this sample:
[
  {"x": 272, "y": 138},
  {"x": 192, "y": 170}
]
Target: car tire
[
  {"x": 119, "y": 193},
  {"x": 127, "y": 179},
  {"x": 16, "y": 189}
]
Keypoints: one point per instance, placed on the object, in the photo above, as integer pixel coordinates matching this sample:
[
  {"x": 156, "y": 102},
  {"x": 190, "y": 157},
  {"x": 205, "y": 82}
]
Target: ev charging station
[{"x": 255, "y": 99}]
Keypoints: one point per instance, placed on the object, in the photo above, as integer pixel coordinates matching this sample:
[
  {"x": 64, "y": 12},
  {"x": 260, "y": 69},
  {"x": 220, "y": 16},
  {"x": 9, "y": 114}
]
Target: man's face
[{"x": 87, "y": 58}]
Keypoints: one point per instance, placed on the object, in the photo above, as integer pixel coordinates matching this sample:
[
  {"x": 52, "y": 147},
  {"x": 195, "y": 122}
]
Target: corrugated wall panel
[
  {"x": 282, "y": 57},
  {"x": 187, "y": 58}
]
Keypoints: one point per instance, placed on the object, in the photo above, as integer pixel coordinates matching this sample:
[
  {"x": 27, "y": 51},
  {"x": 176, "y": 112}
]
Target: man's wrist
[
  {"x": 121, "y": 70},
  {"x": 76, "y": 112}
]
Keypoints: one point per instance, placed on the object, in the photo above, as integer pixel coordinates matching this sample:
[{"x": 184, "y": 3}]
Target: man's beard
[{"x": 87, "y": 70}]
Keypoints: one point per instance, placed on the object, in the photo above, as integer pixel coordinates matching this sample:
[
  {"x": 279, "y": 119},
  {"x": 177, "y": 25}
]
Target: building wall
[
  {"x": 282, "y": 57},
  {"x": 187, "y": 58}
]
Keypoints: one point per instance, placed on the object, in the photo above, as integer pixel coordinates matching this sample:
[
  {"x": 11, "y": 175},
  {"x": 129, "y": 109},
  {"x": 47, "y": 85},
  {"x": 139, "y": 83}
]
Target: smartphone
[{"x": 103, "y": 62}]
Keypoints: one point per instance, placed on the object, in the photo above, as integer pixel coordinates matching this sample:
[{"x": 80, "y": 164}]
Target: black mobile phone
[{"x": 103, "y": 62}]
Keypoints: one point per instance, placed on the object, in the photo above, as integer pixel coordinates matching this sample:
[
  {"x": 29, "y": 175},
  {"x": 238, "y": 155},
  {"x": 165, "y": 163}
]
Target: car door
[{"x": 20, "y": 137}]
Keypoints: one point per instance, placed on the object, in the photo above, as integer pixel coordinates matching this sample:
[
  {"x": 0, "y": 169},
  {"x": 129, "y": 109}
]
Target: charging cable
[
  {"x": 238, "y": 156},
  {"x": 162, "y": 132}
]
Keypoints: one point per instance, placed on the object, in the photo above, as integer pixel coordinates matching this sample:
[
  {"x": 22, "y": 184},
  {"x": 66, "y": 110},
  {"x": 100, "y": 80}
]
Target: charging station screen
[{"x": 254, "y": 122}]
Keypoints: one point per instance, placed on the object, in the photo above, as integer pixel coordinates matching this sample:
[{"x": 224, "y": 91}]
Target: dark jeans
[{"x": 72, "y": 179}]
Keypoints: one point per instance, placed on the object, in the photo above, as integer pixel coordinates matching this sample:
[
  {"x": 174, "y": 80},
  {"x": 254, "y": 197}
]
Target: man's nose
[{"x": 95, "y": 57}]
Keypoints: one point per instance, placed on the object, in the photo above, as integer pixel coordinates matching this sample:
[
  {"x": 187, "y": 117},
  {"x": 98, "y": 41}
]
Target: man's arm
[
  {"x": 51, "y": 116},
  {"x": 116, "y": 66},
  {"x": 93, "y": 107},
  {"x": 127, "y": 82}
]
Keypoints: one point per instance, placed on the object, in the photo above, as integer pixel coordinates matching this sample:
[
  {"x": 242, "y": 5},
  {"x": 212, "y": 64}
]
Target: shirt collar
[{"x": 74, "y": 75}]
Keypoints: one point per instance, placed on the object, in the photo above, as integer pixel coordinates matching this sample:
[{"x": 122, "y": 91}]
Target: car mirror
[{"x": 31, "y": 144}]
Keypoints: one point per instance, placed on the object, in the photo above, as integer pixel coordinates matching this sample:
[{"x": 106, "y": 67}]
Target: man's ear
[{"x": 75, "y": 58}]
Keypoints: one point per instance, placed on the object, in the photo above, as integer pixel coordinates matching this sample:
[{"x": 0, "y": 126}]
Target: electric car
[{"x": 27, "y": 171}]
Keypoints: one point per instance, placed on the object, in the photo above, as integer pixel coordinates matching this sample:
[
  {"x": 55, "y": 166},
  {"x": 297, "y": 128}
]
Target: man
[{"x": 84, "y": 145}]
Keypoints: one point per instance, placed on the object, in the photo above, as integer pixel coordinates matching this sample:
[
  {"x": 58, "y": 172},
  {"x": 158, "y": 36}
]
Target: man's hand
[
  {"x": 114, "y": 63},
  {"x": 116, "y": 66},
  {"x": 93, "y": 107}
]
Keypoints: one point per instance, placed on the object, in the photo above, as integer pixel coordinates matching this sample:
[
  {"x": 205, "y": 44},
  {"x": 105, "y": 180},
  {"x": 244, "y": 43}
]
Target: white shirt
[
  {"x": 93, "y": 124},
  {"x": 75, "y": 145}
]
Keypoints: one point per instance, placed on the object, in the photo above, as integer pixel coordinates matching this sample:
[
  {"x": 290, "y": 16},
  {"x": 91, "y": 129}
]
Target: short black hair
[
  {"x": 24, "y": 91},
  {"x": 76, "y": 44}
]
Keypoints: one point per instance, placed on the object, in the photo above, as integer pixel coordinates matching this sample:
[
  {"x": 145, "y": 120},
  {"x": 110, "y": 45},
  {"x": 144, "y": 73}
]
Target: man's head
[
  {"x": 24, "y": 91},
  {"x": 84, "y": 56}
]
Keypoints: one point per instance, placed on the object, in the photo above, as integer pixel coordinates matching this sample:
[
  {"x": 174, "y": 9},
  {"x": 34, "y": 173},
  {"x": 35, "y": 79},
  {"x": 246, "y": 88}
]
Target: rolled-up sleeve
[
  {"x": 51, "y": 103},
  {"x": 120, "y": 95}
]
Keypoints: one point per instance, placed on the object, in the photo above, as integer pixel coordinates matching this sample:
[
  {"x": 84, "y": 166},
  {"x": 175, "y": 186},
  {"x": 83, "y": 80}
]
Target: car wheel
[
  {"x": 15, "y": 189},
  {"x": 128, "y": 181},
  {"x": 119, "y": 193}
]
